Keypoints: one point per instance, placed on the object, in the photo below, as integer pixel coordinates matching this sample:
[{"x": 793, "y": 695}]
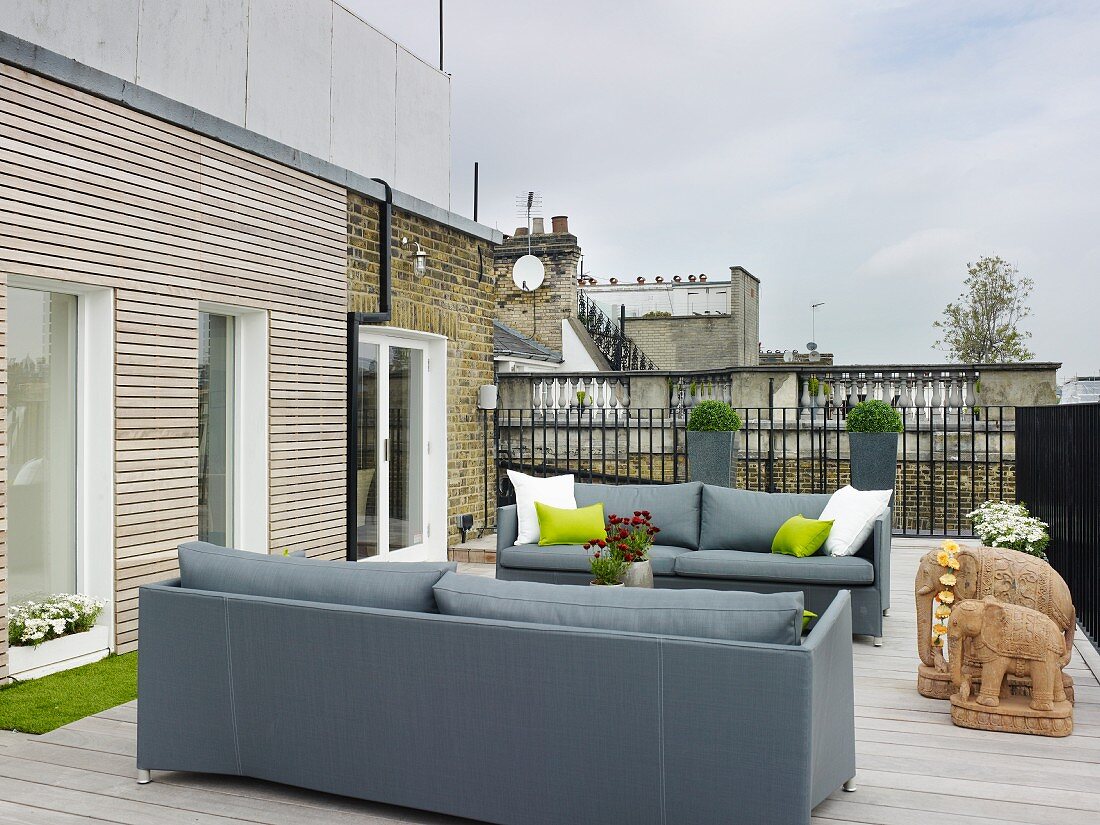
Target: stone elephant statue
[
  {"x": 1007, "y": 638},
  {"x": 1008, "y": 575}
]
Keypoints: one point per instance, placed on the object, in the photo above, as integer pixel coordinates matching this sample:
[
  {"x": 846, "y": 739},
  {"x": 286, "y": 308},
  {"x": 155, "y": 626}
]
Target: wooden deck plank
[{"x": 914, "y": 765}]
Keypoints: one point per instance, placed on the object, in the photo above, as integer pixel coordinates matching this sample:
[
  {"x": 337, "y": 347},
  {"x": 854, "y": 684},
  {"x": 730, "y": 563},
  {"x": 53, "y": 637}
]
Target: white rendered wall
[
  {"x": 306, "y": 73},
  {"x": 574, "y": 355}
]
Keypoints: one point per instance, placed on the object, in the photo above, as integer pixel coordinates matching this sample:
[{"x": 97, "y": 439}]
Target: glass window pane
[
  {"x": 406, "y": 433},
  {"x": 216, "y": 428},
  {"x": 366, "y": 460},
  {"x": 41, "y": 439}
]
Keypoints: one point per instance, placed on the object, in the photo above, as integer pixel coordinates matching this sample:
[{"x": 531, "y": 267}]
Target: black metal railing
[
  {"x": 621, "y": 352},
  {"x": 1059, "y": 481},
  {"x": 948, "y": 463}
]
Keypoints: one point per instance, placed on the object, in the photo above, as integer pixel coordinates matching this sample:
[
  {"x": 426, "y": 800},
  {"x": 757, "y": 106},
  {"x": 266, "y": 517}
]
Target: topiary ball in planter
[
  {"x": 712, "y": 443},
  {"x": 873, "y": 416},
  {"x": 873, "y": 428}
]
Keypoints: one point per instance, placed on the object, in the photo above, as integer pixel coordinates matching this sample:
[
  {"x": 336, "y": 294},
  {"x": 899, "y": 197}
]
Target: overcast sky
[{"x": 856, "y": 152}]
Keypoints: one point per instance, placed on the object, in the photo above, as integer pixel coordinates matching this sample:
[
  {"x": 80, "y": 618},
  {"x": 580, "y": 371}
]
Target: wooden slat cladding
[
  {"x": 94, "y": 193},
  {"x": 3, "y": 475}
]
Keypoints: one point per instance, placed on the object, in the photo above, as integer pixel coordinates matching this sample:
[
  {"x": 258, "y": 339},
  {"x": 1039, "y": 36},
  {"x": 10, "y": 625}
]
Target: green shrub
[
  {"x": 714, "y": 416},
  {"x": 873, "y": 416}
]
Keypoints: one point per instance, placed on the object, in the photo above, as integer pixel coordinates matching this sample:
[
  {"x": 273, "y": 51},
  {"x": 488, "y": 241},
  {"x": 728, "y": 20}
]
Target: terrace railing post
[
  {"x": 771, "y": 435},
  {"x": 619, "y": 338}
]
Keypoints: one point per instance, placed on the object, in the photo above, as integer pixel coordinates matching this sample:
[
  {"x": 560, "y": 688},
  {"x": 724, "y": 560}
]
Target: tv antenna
[{"x": 528, "y": 273}]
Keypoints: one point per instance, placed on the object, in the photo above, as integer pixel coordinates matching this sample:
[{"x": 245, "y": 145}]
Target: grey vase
[
  {"x": 639, "y": 574},
  {"x": 874, "y": 460},
  {"x": 712, "y": 458}
]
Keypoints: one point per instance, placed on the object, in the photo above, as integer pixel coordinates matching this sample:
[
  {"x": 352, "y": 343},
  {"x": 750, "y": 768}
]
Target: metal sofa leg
[
  {"x": 143, "y": 777},
  {"x": 850, "y": 785},
  {"x": 878, "y": 641}
]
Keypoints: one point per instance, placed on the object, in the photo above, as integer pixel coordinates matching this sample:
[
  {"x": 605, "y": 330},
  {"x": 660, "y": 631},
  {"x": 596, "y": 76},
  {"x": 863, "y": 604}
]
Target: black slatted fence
[{"x": 1058, "y": 453}]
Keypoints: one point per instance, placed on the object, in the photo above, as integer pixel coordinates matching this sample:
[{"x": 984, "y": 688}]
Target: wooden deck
[{"x": 914, "y": 765}]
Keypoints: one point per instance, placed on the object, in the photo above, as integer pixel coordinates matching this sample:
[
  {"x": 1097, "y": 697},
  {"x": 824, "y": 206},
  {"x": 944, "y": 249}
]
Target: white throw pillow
[
  {"x": 556, "y": 491},
  {"x": 853, "y": 513}
]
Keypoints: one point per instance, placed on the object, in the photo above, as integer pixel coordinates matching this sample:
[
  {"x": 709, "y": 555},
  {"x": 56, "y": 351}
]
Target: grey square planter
[
  {"x": 874, "y": 460},
  {"x": 712, "y": 458}
]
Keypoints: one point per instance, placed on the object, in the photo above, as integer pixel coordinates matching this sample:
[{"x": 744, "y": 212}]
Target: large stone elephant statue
[
  {"x": 1009, "y": 576},
  {"x": 1007, "y": 638}
]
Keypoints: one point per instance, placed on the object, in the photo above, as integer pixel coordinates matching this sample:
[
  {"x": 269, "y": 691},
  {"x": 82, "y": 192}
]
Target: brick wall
[
  {"x": 538, "y": 315},
  {"x": 688, "y": 342},
  {"x": 453, "y": 298},
  {"x": 930, "y": 496}
]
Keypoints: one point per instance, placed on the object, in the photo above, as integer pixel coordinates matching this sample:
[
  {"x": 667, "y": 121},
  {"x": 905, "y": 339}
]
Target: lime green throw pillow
[
  {"x": 807, "y": 617},
  {"x": 569, "y": 526},
  {"x": 801, "y": 536}
]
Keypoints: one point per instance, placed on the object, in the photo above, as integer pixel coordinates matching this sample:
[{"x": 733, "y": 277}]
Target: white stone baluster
[
  {"x": 538, "y": 399},
  {"x": 555, "y": 392}
]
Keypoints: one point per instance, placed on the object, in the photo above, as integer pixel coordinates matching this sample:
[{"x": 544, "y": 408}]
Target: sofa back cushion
[
  {"x": 675, "y": 507},
  {"x": 745, "y": 520},
  {"x": 390, "y": 585},
  {"x": 775, "y": 618}
]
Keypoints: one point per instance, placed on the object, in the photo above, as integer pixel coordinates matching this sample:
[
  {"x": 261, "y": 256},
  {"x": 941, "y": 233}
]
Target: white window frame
[
  {"x": 95, "y": 464},
  {"x": 251, "y": 425}
]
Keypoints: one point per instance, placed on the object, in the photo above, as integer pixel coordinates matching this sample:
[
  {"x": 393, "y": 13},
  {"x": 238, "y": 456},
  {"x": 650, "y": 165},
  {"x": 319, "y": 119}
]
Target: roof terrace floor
[{"x": 913, "y": 763}]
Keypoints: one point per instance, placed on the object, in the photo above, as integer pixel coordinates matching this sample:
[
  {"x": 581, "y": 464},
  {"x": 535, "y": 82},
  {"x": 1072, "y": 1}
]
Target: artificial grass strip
[{"x": 41, "y": 705}]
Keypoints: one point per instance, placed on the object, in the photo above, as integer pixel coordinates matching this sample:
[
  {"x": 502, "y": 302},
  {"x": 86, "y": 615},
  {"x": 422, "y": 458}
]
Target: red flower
[
  {"x": 636, "y": 520},
  {"x": 645, "y": 513},
  {"x": 601, "y": 543},
  {"x": 596, "y": 555}
]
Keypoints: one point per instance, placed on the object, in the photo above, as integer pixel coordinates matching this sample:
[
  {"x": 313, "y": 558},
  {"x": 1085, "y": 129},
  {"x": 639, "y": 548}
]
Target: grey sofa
[
  {"x": 718, "y": 538},
  {"x": 500, "y": 721}
]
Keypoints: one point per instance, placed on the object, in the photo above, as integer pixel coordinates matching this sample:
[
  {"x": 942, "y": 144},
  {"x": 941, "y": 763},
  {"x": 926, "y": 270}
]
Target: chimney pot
[
  {"x": 660, "y": 279},
  {"x": 538, "y": 226},
  {"x": 560, "y": 224},
  {"x": 641, "y": 280},
  {"x": 702, "y": 277},
  {"x": 691, "y": 278},
  {"x": 614, "y": 280},
  {"x": 677, "y": 278}
]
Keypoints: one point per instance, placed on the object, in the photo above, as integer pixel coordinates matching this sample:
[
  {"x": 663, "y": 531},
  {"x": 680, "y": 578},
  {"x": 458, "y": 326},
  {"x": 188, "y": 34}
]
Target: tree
[{"x": 983, "y": 325}]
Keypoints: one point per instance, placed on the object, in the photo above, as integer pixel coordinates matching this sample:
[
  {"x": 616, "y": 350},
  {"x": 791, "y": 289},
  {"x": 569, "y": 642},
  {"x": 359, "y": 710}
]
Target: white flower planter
[{"x": 59, "y": 654}]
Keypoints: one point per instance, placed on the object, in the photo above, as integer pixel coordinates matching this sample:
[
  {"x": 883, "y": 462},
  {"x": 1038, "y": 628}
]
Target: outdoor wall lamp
[{"x": 420, "y": 265}]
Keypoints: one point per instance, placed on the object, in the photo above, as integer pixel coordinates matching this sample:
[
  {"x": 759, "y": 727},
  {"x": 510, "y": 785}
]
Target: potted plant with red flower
[
  {"x": 608, "y": 566},
  {"x": 629, "y": 539}
]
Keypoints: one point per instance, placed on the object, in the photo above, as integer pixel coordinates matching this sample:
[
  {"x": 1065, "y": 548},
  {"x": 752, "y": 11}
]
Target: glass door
[
  {"x": 42, "y": 444},
  {"x": 389, "y": 447}
]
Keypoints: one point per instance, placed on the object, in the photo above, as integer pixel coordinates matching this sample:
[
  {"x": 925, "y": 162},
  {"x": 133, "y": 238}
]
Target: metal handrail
[{"x": 621, "y": 351}]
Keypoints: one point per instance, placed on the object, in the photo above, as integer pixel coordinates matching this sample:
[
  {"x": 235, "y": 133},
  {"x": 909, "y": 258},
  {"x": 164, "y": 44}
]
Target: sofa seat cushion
[
  {"x": 574, "y": 558},
  {"x": 735, "y": 519},
  {"x": 732, "y": 615},
  {"x": 388, "y": 585},
  {"x": 773, "y": 567},
  {"x": 674, "y": 507}
]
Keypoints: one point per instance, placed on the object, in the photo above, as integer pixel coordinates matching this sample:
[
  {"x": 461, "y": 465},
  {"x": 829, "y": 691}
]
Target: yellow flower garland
[{"x": 946, "y": 559}]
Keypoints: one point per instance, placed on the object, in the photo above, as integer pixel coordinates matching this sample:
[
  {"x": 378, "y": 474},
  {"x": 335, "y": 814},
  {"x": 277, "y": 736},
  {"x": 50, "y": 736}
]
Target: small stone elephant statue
[{"x": 1007, "y": 639}]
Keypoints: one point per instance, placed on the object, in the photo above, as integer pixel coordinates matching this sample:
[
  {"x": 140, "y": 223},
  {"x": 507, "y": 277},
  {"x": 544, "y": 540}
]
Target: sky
[{"x": 856, "y": 152}]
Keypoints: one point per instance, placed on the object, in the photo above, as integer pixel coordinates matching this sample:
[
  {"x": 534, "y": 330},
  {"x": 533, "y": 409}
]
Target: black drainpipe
[
  {"x": 385, "y": 260},
  {"x": 355, "y": 319}
]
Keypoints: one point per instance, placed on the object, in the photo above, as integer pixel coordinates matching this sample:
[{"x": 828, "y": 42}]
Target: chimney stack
[
  {"x": 538, "y": 226},
  {"x": 521, "y": 230},
  {"x": 560, "y": 224}
]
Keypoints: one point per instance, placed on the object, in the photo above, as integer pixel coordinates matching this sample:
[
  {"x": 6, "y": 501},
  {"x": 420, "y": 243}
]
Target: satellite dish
[
  {"x": 814, "y": 355},
  {"x": 528, "y": 273},
  {"x": 788, "y": 356},
  {"x": 811, "y": 346}
]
